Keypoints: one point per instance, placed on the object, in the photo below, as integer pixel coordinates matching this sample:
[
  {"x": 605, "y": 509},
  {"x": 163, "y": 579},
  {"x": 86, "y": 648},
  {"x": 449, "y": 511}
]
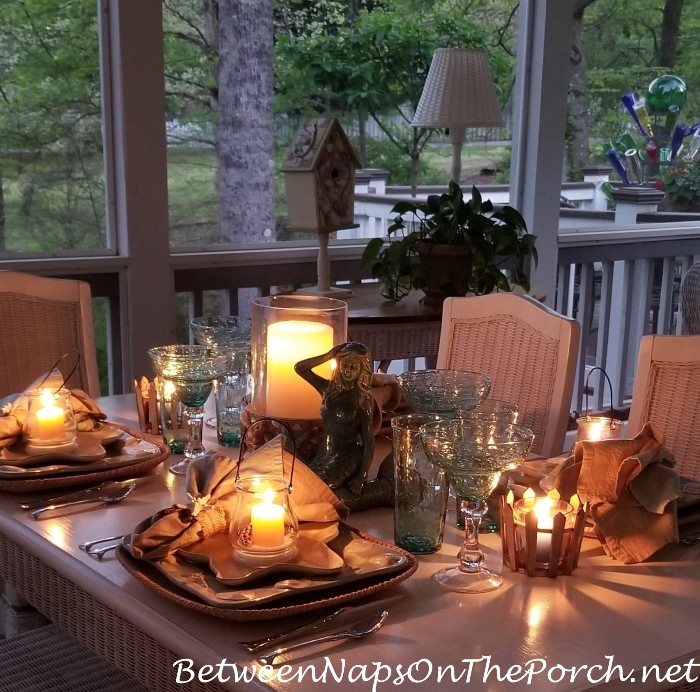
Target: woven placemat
[
  {"x": 26, "y": 485},
  {"x": 294, "y": 605}
]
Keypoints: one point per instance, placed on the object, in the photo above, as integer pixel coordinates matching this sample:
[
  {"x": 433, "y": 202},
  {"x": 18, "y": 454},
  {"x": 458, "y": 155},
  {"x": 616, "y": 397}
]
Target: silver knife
[{"x": 106, "y": 486}]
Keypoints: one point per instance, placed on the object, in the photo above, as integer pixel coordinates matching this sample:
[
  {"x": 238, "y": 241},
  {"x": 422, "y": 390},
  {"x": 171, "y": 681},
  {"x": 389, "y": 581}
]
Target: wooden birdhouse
[{"x": 319, "y": 178}]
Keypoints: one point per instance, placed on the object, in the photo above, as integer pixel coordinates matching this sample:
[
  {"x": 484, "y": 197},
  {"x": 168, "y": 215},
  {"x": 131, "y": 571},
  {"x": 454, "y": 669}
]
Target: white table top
[{"x": 605, "y": 614}]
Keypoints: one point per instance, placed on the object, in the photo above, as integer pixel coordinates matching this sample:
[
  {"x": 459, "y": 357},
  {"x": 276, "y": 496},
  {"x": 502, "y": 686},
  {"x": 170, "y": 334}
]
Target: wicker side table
[{"x": 394, "y": 331}]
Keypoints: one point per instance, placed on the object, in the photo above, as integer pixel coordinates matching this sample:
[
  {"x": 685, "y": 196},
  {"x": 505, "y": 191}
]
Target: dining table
[{"x": 606, "y": 626}]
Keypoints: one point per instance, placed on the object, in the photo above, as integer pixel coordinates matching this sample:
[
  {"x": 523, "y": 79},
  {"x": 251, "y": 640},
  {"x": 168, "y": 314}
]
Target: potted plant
[
  {"x": 681, "y": 183},
  {"x": 449, "y": 246}
]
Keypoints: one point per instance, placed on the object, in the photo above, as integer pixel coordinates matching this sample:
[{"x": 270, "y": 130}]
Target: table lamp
[{"x": 458, "y": 93}]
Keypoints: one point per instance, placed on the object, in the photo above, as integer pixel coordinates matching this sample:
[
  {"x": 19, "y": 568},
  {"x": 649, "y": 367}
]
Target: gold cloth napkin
[
  {"x": 88, "y": 415},
  {"x": 211, "y": 486},
  {"x": 386, "y": 394},
  {"x": 631, "y": 489}
]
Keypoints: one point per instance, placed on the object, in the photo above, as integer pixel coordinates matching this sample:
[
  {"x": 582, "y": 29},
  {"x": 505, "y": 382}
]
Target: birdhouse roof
[{"x": 311, "y": 142}]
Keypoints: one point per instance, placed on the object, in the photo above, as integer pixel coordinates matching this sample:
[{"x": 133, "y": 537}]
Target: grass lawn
[{"x": 475, "y": 156}]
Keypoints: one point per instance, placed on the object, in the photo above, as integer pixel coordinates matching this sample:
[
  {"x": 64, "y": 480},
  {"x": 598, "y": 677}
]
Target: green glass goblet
[
  {"x": 192, "y": 369},
  {"x": 229, "y": 333},
  {"x": 473, "y": 454},
  {"x": 489, "y": 410},
  {"x": 444, "y": 392}
]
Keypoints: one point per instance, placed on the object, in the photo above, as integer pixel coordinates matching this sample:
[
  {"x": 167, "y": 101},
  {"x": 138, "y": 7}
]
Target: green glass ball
[{"x": 666, "y": 94}]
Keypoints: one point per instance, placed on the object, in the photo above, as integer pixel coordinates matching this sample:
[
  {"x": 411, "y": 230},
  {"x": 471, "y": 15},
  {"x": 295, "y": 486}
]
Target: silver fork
[
  {"x": 99, "y": 553},
  {"x": 357, "y": 630}
]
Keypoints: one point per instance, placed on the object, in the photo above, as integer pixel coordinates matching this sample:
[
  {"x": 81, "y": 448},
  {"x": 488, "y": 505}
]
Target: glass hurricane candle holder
[
  {"x": 285, "y": 330},
  {"x": 50, "y": 420},
  {"x": 264, "y": 527}
]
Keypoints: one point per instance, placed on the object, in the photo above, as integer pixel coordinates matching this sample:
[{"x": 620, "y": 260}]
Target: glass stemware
[
  {"x": 192, "y": 369},
  {"x": 232, "y": 391},
  {"x": 473, "y": 454},
  {"x": 489, "y": 410},
  {"x": 444, "y": 392}
]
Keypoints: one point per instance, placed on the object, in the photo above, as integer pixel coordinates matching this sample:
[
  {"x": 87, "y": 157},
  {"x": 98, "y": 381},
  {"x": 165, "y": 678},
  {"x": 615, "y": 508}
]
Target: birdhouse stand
[{"x": 319, "y": 177}]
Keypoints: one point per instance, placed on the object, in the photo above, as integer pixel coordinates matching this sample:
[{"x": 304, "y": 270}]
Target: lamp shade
[{"x": 459, "y": 91}]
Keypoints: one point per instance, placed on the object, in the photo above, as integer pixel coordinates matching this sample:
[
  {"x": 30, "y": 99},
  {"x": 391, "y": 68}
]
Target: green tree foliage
[
  {"x": 377, "y": 67},
  {"x": 50, "y": 133},
  {"x": 624, "y": 45}
]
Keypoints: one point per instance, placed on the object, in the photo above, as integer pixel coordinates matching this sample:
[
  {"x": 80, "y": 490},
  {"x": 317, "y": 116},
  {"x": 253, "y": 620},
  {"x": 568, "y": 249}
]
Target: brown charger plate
[
  {"x": 295, "y": 604},
  {"x": 69, "y": 480}
]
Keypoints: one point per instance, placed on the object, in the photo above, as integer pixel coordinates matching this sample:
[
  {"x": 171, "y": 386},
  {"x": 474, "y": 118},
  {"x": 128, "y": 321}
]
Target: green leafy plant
[
  {"x": 681, "y": 183},
  {"x": 486, "y": 240}
]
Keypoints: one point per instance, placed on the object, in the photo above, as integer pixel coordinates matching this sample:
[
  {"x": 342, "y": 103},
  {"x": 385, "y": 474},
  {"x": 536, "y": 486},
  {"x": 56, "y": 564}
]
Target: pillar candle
[
  {"x": 267, "y": 524},
  {"x": 50, "y": 419},
  {"x": 288, "y": 342}
]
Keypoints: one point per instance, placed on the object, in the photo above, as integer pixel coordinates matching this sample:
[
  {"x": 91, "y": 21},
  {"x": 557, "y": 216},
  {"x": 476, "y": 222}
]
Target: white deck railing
[{"x": 620, "y": 280}]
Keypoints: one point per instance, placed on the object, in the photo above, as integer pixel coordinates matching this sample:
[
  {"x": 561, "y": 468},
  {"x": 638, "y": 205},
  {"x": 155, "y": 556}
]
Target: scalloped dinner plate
[
  {"x": 213, "y": 574},
  {"x": 216, "y": 553},
  {"x": 101, "y": 450}
]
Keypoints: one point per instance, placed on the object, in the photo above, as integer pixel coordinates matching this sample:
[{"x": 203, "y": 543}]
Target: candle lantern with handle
[
  {"x": 541, "y": 536},
  {"x": 598, "y": 427},
  {"x": 264, "y": 527},
  {"x": 50, "y": 420}
]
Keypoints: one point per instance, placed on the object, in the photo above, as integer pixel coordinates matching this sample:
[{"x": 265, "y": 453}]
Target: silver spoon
[
  {"x": 357, "y": 630},
  {"x": 116, "y": 495}
]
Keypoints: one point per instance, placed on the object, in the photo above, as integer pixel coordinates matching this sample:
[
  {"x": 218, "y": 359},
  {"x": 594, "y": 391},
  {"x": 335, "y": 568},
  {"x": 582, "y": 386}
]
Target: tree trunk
[
  {"x": 670, "y": 27},
  {"x": 246, "y": 167},
  {"x": 3, "y": 236}
]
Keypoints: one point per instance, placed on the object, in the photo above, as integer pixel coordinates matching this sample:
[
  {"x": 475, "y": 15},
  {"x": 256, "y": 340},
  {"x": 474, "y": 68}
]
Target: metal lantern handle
[
  {"x": 291, "y": 437},
  {"x": 607, "y": 379},
  {"x": 67, "y": 377}
]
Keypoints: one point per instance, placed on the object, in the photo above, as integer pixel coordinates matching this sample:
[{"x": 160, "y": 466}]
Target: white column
[
  {"x": 135, "y": 155},
  {"x": 539, "y": 121}
]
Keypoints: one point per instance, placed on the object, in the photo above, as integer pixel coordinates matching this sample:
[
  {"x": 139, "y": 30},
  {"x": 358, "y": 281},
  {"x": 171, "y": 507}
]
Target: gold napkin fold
[
  {"x": 211, "y": 488},
  {"x": 387, "y": 396},
  {"x": 631, "y": 489},
  {"x": 88, "y": 416}
]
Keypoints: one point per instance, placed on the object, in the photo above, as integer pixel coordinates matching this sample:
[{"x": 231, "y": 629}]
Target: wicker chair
[
  {"x": 528, "y": 350},
  {"x": 42, "y": 319},
  {"x": 46, "y": 659},
  {"x": 690, "y": 299},
  {"x": 667, "y": 393}
]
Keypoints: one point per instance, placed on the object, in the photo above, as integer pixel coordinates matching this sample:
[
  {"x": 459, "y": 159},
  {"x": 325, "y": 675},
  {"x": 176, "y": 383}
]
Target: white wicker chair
[
  {"x": 667, "y": 393},
  {"x": 528, "y": 350},
  {"x": 690, "y": 299},
  {"x": 43, "y": 318}
]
